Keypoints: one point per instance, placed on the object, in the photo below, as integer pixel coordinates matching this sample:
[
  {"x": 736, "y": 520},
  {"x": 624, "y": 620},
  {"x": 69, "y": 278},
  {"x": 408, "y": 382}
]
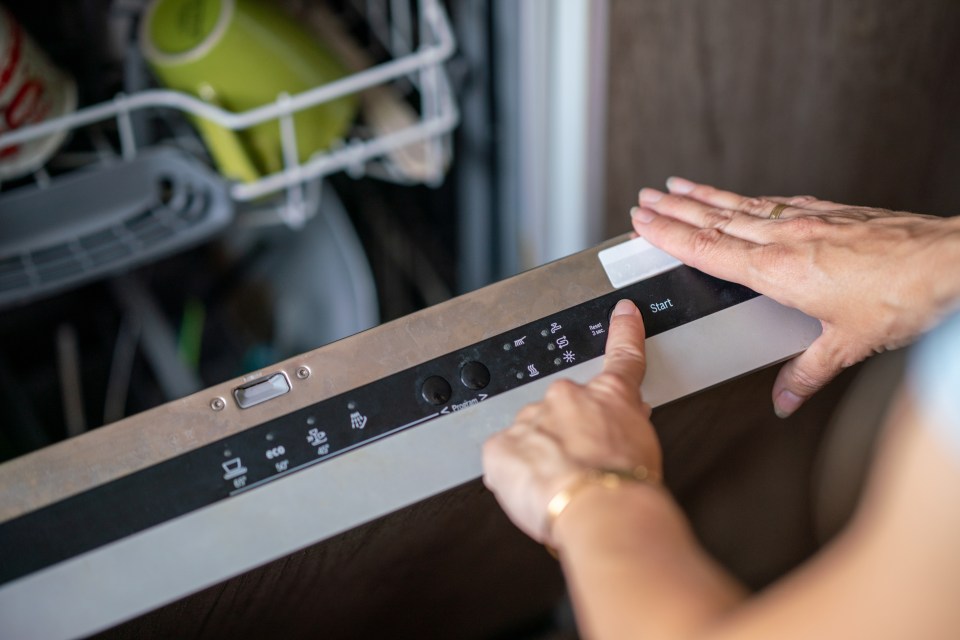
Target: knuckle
[
  {"x": 561, "y": 390},
  {"x": 705, "y": 241},
  {"x": 718, "y": 218},
  {"x": 806, "y": 226},
  {"x": 807, "y": 382},
  {"x": 754, "y": 205},
  {"x": 628, "y": 352},
  {"x": 615, "y": 384},
  {"x": 801, "y": 200},
  {"x": 527, "y": 413}
]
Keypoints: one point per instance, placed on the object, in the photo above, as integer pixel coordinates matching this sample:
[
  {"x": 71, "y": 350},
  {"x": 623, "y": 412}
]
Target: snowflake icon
[{"x": 569, "y": 356}]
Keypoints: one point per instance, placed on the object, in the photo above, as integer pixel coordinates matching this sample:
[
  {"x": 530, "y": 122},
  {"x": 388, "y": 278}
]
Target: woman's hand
[
  {"x": 876, "y": 279},
  {"x": 604, "y": 423}
]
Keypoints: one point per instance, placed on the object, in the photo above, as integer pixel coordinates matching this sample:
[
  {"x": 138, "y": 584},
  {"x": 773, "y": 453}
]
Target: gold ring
[{"x": 777, "y": 210}]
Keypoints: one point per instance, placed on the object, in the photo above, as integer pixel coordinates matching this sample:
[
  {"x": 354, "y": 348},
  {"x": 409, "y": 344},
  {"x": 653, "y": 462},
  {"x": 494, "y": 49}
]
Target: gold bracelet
[{"x": 606, "y": 478}]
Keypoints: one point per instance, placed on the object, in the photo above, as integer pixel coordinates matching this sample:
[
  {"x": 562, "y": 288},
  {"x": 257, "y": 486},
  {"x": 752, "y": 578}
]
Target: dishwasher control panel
[{"x": 283, "y": 445}]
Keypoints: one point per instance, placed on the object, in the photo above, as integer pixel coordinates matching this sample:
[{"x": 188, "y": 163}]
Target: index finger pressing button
[{"x": 624, "y": 353}]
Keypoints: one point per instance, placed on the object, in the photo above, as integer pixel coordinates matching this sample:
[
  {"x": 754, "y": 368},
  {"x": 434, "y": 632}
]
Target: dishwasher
[{"x": 324, "y": 481}]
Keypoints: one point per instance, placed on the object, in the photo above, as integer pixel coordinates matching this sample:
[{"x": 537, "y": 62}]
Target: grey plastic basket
[{"x": 104, "y": 220}]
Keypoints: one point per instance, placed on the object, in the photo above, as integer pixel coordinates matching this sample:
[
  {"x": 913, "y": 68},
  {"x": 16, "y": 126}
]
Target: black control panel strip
[{"x": 337, "y": 425}]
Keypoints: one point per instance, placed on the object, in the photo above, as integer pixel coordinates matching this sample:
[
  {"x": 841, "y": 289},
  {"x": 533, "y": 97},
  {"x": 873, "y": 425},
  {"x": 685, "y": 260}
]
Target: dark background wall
[{"x": 853, "y": 100}]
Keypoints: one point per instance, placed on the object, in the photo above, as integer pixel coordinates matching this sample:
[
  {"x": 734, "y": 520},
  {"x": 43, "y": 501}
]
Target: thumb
[{"x": 806, "y": 374}]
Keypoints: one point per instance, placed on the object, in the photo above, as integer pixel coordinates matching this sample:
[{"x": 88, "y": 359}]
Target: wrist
[
  {"x": 600, "y": 500},
  {"x": 948, "y": 250}
]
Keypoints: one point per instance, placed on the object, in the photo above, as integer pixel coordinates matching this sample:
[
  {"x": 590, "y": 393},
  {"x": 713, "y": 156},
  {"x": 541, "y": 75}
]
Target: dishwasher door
[{"x": 335, "y": 493}]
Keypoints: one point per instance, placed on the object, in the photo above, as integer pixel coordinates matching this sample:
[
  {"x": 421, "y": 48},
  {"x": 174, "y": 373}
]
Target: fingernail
[
  {"x": 786, "y": 403},
  {"x": 625, "y": 308},
  {"x": 650, "y": 195},
  {"x": 679, "y": 185},
  {"x": 641, "y": 215}
]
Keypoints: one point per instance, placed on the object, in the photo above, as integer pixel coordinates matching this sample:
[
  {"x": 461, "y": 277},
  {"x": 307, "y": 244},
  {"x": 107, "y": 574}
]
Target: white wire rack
[{"x": 397, "y": 24}]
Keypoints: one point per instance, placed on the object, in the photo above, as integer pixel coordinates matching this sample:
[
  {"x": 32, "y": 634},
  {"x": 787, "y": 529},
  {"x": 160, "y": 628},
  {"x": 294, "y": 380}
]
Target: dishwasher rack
[
  {"x": 49, "y": 253},
  {"x": 438, "y": 114}
]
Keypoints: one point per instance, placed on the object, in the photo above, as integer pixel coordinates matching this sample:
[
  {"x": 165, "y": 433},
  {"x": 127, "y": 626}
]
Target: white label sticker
[{"x": 635, "y": 260}]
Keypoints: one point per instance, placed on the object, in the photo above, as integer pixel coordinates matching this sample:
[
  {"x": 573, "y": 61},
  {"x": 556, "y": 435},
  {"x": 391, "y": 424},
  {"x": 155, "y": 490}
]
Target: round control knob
[
  {"x": 474, "y": 375},
  {"x": 436, "y": 390}
]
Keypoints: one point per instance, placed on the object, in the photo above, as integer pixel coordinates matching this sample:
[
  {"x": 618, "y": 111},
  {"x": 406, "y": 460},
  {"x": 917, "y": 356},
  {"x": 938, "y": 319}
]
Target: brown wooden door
[{"x": 853, "y": 100}]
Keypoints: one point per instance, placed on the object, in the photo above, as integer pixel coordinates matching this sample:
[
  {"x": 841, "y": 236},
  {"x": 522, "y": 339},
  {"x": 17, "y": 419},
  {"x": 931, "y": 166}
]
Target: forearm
[
  {"x": 635, "y": 569},
  {"x": 945, "y": 266}
]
